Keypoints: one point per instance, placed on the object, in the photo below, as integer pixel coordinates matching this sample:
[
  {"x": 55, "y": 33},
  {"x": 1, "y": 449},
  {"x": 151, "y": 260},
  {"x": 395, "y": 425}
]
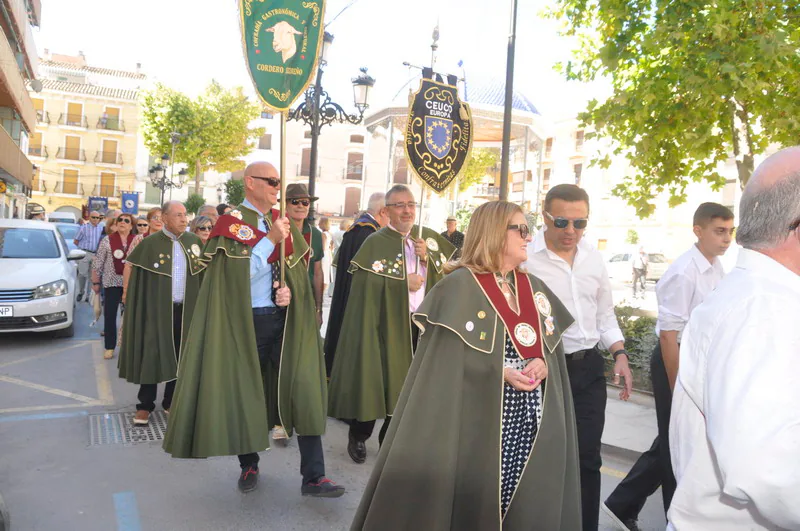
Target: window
[
  {"x": 352, "y": 197},
  {"x": 69, "y": 183},
  {"x": 152, "y": 195},
  {"x": 109, "y": 153},
  {"x": 37, "y": 176},
  {"x": 357, "y": 139},
  {"x": 35, "y": 148},
  {"x": 107, "y": 181},
  {"x": 548, "y": 148},
  {"x": 74, "y": 116},
  {"x": 28, "y": 243},
  {"x": 305, "y": 164},
  {"x": 546, "y": 179},
  {"x": 578, "y": 169},
  {"x": 355, "y": 166},
  {"x": 265, "y": 142},
  {"x": 579, "y": 140},
  {"x": 266, "y": 115},
  {"x": 602, "y": 245},
  {"x": 307, "y": 134},
  {"x": 72, "y": 148},
  {"x": 401, "y": 171},
  {"x": 110, "y": 119}
]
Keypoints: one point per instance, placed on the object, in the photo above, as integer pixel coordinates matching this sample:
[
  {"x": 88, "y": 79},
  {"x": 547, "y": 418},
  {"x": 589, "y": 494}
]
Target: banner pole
[
  {"x": 283, "y": 196},
  {"x": 421, "y": 212}
]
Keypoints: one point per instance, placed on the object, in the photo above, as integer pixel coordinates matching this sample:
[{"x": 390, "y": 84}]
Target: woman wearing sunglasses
[
  {"x": 142, "y": 225},
  {"x": 489, "y": 377},
  {"x": 109, "y": 264},
  {"x": 202, "y": 226},
  {"x": 154, "y": 219}
]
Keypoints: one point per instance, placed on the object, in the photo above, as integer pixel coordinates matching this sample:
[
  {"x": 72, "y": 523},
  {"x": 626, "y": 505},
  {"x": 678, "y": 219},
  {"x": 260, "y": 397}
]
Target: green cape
[
  {"x": 220, "y": 404},
  {"x": 374, "y": 349},
  {"x": 147, "y": 352},
  {"x": 439, "y": 466}
]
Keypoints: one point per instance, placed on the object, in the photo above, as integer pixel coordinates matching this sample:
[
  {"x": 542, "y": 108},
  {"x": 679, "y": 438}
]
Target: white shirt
[
  {"x": 178, "y": 268},
  {"x": 683, "y": 287},
  {"x": 735, "y": 426},
  {"x": 584, "y": 289}
]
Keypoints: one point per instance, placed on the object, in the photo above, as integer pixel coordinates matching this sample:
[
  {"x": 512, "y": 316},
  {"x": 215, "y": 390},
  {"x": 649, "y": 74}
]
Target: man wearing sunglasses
[
  {"x": 255, "y": 358},
  {"x": 298, "y": 202},
  {"x": 576, "y": 273},
  {"x": 87, "y": 239}
]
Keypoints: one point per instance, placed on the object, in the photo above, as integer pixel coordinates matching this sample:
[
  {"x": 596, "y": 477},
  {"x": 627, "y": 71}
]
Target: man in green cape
[
  {"x": 161, "y": 280},
  {"x": 376, "y": 342},
  {"x": 251, "y": 362}
]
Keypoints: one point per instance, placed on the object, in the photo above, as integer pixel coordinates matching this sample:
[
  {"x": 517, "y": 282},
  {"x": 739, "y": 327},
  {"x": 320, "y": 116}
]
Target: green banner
[{"x": 282, "y": 40}]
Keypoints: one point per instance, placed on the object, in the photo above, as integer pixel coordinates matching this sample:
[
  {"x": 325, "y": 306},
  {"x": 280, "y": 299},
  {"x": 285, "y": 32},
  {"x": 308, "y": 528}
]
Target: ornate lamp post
[
  {"x": 158, "y": 175},
  {"x": 317, "y": 110}
]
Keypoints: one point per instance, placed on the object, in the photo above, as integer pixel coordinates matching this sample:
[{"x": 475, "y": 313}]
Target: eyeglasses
[
  {"x": 272, "y": 181},
  {"x": 204, "y": 228},
  {"x": 401, "y": 206},
  {"x": 124, "y": 220},
  {"x": 563, "y": 223},
  {"x": 142, "y": 225},
  {"x": 522, "y": 228},
  {"x": 304, "y": 202},
  {"x": 794, "y": 225},
  {"x": 155, "y": 218},
  {"x": 94, "y": 217}
]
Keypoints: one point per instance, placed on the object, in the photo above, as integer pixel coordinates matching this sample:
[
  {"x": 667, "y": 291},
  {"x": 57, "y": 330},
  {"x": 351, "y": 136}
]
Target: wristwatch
[{"x": 620, "y": 351}]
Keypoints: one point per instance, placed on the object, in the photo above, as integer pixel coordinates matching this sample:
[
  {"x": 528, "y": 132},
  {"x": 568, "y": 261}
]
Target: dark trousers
[
  {"x": 148, "y": 392},
  {"x": 361, "y": 431},
  {"x": 654, "y": 467},
  {"x": 111, "y": 302},
  {"x": 588, "y": 382},
  {"x": 639, "y": 280},
  {"x": 269, "y": 324}
]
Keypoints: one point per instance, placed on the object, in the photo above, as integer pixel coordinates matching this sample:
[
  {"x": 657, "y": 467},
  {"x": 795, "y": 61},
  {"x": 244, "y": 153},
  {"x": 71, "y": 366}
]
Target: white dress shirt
[
  {"x": 735, "y": 425},
  {"x": 683, "y": 287},
  {"x": 584, "y": 289},
  {"x": 178, "y": 268}
]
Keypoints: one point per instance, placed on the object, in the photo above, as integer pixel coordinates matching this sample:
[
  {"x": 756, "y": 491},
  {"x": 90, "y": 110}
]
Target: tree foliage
[
  {"x": 633, "y": 237},
  {"x": 193, "y": 203},
  {"x": 694, "y": 82},
  {"x": 477, "y": 167},
  {"x": 214, "y": 127},
  {"x": 234, "y": 192}
]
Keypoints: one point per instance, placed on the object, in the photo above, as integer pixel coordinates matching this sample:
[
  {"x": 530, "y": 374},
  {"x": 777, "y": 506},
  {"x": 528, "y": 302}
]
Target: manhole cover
[{"x": 118, "y": 428}]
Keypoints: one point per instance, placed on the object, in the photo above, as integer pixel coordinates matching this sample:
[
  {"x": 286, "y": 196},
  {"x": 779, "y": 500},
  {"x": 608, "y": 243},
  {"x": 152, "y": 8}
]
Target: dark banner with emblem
[
  {"x": 282, "y": 40},
  {"x": 439, "y": 134}
]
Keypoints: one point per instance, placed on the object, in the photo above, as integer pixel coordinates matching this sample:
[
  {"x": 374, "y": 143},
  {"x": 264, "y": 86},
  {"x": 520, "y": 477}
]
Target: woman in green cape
[{"x": 483, "y": 436}]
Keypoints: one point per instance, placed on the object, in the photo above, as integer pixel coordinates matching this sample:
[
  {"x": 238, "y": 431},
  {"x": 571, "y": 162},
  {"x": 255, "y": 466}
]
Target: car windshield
[
  {"x": 19, "y": 242},
  {"x": 68, "y": 231}
]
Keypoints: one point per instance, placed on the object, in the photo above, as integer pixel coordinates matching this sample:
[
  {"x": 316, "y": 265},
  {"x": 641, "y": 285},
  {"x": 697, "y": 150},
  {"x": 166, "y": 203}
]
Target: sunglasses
[
  {"x": 522, "y": 228},
  {"x": 563, "y": 223},
  {"x": 142, "y": 225},
  {"x": 304, "y": 202},
  {"x": 155, "y": 218},
  {"x": 94, "y": 217},
  {"x": 273, "y": 182},
  {"x": 124, "y": 220},
  {"x": 204, "y": 228}
]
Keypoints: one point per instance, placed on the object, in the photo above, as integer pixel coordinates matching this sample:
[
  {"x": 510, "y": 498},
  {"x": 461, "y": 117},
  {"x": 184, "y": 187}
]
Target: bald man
[
  {"x": 735, "y": 426},
  {"x": 254, "y": 356}
]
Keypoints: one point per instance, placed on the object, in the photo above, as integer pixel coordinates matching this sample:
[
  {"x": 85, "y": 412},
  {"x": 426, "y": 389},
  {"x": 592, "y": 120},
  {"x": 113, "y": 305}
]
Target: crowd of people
[{"x": 483, "y": 354}]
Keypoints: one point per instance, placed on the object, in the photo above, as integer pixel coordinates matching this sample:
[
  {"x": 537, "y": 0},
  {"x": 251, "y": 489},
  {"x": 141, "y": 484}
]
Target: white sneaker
[{"x": 279, "y": 434}]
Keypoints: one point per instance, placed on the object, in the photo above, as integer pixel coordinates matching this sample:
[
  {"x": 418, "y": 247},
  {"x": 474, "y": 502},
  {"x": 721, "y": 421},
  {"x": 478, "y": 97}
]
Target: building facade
[
  {"x": 18, "y": 66},
  {"x": 86, "y": 139}
]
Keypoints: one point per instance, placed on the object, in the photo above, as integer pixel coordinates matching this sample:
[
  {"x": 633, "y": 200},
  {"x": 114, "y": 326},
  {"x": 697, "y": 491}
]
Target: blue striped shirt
[
  {"x": 260, "y": 268},
  {"x": 89, "y": 237}
]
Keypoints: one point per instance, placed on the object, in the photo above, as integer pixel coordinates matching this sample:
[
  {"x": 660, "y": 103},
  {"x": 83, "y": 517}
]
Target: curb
[{"x": 618, "y": 452}]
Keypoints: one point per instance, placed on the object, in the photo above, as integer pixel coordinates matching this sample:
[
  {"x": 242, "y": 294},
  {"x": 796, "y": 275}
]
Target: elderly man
[
  {"x": 253, "y": 361},
  {"x": 735, "y": 427},
  {"x": 392, "y": 272},
  {"x": 369, "y": 222},
  {"x": 160, "y": 283},
  {"x": 87, "y": 239},
  {"x": 456, "y": 237},
  {"x": 209, "y": 211}
]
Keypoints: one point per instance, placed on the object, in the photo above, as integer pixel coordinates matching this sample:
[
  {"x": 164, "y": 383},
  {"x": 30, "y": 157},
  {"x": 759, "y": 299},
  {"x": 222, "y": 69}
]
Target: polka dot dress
[{"x": 522, "y": 413}]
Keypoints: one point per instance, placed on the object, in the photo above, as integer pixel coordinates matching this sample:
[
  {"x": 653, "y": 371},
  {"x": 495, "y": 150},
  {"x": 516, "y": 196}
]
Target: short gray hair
[
  {"x": 765, "y": 213},
  {"x": 207, "y": 207},
  {"x": 165, "y": 206},
  {"x": 397, "y": 189},
  {"x": 376, "y": 202}
]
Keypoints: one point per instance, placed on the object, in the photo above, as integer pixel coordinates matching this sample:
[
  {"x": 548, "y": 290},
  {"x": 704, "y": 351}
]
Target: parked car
[
  {"x": 37, "y": 278},
  {"x": 69, "y": 231},
  {"x": 620, "y": 266},
  {"x": 62, "y": 217}
]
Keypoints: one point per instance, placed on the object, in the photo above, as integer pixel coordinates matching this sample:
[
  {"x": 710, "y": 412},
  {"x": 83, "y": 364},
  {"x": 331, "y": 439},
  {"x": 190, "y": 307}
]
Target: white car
[
  {"x": 37, "y": 278},
  {"x": 620, "y": 266}
]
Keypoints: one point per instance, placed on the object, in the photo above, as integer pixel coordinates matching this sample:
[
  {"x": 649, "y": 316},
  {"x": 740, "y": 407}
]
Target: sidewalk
[{"x": 630, "y": 426}]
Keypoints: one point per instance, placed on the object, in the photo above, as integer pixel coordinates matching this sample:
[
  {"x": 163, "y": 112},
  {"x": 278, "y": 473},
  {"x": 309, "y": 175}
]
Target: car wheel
[{"x": 65, "y": 332}]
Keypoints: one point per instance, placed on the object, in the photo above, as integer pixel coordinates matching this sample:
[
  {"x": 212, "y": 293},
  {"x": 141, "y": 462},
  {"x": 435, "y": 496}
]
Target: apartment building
[{"x": 18, "y": 66}]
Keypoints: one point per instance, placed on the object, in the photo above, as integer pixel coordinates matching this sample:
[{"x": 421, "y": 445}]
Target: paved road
[{"x": 53, "y": 478}]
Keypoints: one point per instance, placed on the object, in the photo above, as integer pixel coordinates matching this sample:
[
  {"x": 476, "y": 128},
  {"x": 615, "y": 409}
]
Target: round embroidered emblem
[
  {"x": 525, "y": 334},
  {"x": 542, "y": 304},
  {"x": 196, "y": 249},
  {"x": 377, "y": 266},
  {"x": 470, "y": 326},
  {"x": 432, "y": 244},
  {"x": 245, "y": 233},
  {"x": 118, "y": 254}
]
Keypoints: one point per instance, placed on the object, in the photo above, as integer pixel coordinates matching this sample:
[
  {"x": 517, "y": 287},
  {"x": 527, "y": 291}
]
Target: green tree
[
  {"x": 463, "y": 215},
  {"x": 214, "y": 128},
  {"x": 694, "y": 82},
  {"x": 633, "y": 237},
  {"x": 193, "y": 203},
  {"x": 234, "y": 192},
  {"x": 476, "y": 168}
]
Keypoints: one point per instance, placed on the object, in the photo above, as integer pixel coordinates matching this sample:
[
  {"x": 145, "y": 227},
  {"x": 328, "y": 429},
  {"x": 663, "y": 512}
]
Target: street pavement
[{"x": 53, "y": 478}]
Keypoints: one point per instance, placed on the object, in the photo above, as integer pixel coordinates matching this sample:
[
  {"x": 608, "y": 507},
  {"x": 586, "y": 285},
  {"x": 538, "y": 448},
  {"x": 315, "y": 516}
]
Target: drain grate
[{"x": 118, "y": 428}]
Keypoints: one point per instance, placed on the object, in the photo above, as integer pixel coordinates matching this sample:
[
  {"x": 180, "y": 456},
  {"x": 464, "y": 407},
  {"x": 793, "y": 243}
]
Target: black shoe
[
  {"x": 248, "y": 480},
  {"x": 322, "y": 488},
  {"x": 357, "y": 450}
]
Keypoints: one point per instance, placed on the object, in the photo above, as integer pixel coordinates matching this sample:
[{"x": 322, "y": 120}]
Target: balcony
[
  {"x": 13, "y": 161},
  {"x": 38, "y": 151},
  {"x": 42, "y": 117},
  {"x": 64, "y": 187},
  {"x": 111, "y": 124},
  {"x": 75, "y": 154},
  {"x": 39, "y": 185},
  {"x": 105, "y": 190},
  {"x": 73, "y": 120},
  {"x": 108, "y": 157},
  {"x": 486, "y": 190}
]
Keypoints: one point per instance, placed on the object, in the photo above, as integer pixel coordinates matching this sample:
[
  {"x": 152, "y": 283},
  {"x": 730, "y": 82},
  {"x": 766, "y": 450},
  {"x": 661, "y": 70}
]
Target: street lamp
[
  {"x": 317, "y": 110},
  {"x": 158, "y": 176}
]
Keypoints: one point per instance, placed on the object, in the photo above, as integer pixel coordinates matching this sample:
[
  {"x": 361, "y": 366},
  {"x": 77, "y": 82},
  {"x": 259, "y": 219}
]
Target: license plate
[{"x": 6, "y": 311}]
